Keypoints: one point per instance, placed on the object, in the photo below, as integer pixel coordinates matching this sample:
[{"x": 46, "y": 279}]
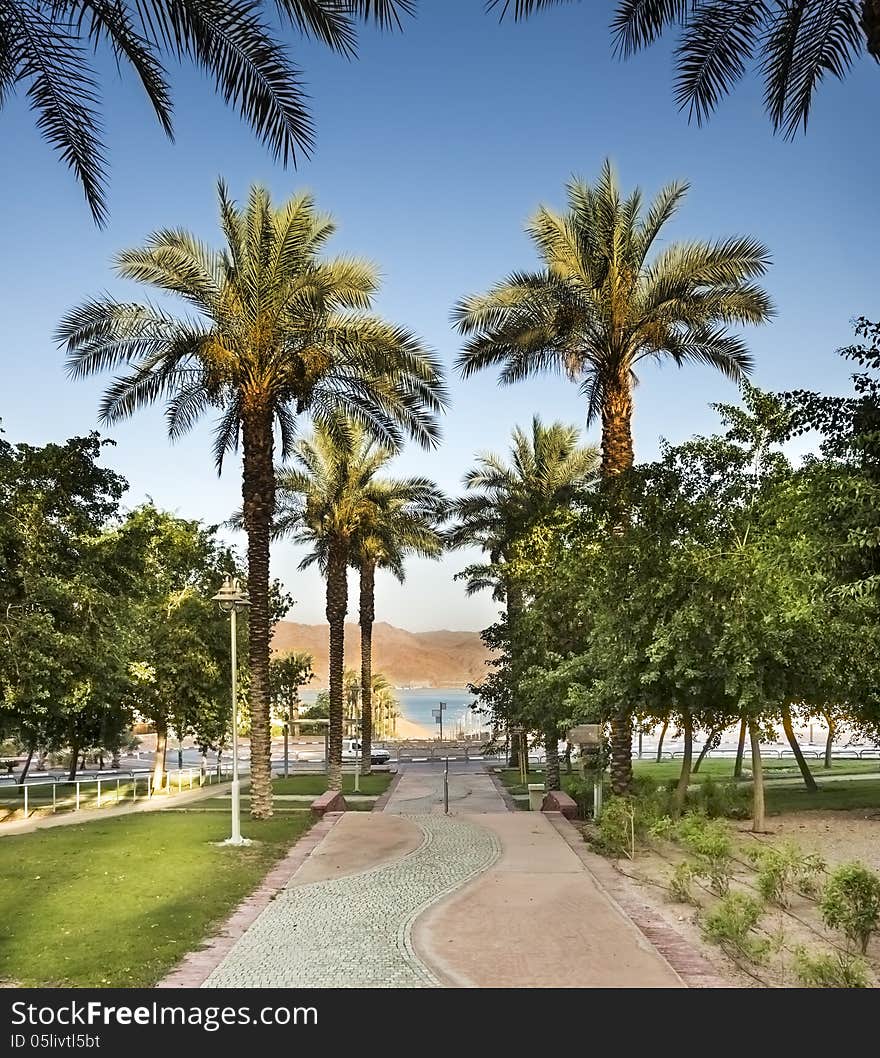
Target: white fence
[{"x": 100, "y": 791}]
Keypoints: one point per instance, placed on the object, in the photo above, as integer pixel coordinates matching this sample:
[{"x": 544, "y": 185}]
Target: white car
[{"x": 351, "y": 751}]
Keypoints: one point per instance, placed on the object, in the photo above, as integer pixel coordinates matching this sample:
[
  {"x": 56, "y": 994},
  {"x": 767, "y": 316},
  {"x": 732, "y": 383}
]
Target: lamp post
[{"x": 230, "y": 598}]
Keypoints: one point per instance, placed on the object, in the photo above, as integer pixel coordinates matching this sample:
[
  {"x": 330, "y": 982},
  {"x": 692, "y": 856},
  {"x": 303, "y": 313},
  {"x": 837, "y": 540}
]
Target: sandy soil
[{"x": 839, "y": 837}]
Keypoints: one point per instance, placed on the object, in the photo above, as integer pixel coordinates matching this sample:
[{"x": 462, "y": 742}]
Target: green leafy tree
[
  {"x": 286, "y": 675},
  {"x": 277, "y": 332},
  {"x": 601, "y": 306}
]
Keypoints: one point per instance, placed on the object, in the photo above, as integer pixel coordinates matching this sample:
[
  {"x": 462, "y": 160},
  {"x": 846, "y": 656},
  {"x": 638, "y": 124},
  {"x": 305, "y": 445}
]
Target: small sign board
[
  {"x": 585, "y": 735},
  {"x": 436, "y": 713}
]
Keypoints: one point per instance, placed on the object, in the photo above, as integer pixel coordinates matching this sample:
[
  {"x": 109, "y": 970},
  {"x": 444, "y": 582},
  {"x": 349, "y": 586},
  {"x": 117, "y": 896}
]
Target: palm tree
[
  {"x": 505, "y": 500},
  {"x": 46, "y": 46},
  {"x": 600, "y": 308},
  {"x": 404, "y": 522},
  {"x": 278, "y": 333},
  {"x": 793, "y": 44},
  {"x": 328, "y": 498}
]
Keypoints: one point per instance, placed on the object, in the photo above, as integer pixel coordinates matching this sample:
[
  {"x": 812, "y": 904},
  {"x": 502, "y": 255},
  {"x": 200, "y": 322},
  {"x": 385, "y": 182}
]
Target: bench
[
  {"x": 329, "y": 801},
  {"x": 557, "y": 801}
]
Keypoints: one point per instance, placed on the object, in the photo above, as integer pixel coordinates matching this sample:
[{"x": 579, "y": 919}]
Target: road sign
[
  {"x": 585, "y": 735},
  {"x": 436, "y": 713}
]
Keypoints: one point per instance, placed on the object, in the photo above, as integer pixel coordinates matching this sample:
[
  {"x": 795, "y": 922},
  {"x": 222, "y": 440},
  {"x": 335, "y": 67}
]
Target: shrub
[
  {"x": 783, "y": 869},
  {"x": 851, "y": 903},
  {"x": 727, "y": 800},
  {"x": 617, "y": 828},
  {"x": 709, "y": 841},
  {"x": 830, "y": 970},
  {"x": 730, "y": 924},
  {"x": 680, "y": 884}
]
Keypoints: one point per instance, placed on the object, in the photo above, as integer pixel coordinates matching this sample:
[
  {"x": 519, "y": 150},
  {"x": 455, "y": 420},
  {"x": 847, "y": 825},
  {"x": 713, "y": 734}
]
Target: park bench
[
  {"x": 557, "y": 801},
  {"x": 329, "y": 801}
]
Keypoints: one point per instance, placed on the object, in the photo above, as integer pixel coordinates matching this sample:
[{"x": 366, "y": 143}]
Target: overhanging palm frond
[{"x": 44, "y": 49}]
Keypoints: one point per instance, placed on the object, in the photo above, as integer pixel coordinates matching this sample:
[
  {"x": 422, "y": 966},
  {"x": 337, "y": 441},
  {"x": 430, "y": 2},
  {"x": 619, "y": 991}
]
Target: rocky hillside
[{"x": 417, "y": 659}]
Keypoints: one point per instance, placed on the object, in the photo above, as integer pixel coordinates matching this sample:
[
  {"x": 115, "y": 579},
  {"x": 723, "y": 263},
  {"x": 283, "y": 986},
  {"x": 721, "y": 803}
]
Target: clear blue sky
[{"x": 433, "y": 149}]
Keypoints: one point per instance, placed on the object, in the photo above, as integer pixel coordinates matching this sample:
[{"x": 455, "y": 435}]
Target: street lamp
[{"x": 230, "y": 598}]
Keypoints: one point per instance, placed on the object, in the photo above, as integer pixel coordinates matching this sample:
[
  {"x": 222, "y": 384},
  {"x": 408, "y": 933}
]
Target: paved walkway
[{"x": 412, "y": 897}]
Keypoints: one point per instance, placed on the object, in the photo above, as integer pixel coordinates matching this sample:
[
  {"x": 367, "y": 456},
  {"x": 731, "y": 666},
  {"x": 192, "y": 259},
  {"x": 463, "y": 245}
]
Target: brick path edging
[
  {"x": 195, "y": 967},
  {"x": 502, "y": 791},
  {"x": 385, "y": 797},
  {"x": 691, "y": 966}
]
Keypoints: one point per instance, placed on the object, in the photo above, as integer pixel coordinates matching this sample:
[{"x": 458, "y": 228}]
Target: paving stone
[{"x": 355, "y": 931}]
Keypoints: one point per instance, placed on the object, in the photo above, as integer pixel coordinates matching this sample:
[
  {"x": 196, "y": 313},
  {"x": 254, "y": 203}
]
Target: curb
[
  {"x": 688, "y": 963},
  {"x": 502, "y": 792},
  {"x": 384, "y": 798},
  {"x": 195, "y": 967}
]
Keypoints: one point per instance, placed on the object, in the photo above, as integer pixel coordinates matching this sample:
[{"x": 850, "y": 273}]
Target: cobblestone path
[{"x": 354, "y": 931}]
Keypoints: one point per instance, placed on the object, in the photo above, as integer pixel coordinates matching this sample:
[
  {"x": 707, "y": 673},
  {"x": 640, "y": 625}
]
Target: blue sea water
[{"x": 416, "y": 705}]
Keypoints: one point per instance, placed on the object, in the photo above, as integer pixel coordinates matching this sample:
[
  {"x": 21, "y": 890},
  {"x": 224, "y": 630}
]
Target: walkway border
[
  {"x": 502, "y": 791},
  {"x": 691, "y": 965},
  {"x": 385, "y": 796},
  {"x": 194, "y": 968}
]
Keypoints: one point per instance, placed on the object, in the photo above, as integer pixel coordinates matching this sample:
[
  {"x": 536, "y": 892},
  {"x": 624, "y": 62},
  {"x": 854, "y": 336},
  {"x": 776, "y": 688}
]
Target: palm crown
[
  {"x": 602, "y": 305},
  {"x": 794, "y": 45},
  {"x": 278, "y": 331}
]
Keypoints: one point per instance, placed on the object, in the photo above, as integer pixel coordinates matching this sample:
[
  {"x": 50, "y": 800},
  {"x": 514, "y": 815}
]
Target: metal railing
[
  {"x": 869, "y": 753},
  {"x": 100, "y": 791}
]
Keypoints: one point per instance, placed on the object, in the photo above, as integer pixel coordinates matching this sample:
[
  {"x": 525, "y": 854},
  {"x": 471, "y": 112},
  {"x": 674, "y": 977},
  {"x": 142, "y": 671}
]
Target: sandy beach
[{"x": 410, "y": 729}]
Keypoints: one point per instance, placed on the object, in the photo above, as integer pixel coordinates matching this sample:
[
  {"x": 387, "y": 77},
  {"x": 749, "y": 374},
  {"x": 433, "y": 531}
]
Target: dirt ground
[{"x": 839, "y": 837}]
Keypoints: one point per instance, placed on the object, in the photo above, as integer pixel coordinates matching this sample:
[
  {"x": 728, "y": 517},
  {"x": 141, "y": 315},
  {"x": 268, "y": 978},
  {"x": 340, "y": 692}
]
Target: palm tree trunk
[
  {"x": 337, "y": 605},
  {"x": 740, "y": 749},
  {"x": 617, "y": 458},
  {"x": 787, "y": 727},
  {"x": 514, "y": 604},
  {"x": 684, "y": 776},
  {"x": 367, "y": 614},
  {"x": 551, "y": 751},
  {"x": 258, "y": 495}
]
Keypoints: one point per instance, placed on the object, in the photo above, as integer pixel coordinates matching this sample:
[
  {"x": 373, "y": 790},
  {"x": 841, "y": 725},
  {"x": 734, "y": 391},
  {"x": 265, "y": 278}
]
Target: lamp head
[{"x": 230, "y": 596}]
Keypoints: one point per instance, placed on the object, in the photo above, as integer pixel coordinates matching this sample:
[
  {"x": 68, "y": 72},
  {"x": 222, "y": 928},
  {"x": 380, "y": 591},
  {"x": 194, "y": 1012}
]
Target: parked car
[{"x": 351, "y": 751}]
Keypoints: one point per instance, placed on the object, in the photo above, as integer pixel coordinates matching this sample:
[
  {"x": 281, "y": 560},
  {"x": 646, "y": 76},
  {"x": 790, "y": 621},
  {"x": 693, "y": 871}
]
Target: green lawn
[
  {"x": 316, "y": 783},
  {"x": 833, "y": 796},
  {"x": 860, "y": 793},
  {"x": 117, "y": 902}
]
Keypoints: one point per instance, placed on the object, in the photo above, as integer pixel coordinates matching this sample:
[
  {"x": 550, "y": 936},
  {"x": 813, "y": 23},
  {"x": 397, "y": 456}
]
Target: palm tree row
[
  {"x": 333, "y": 499},
  {"x": 276, "y": 333},
  {"x": 602, "y": 307}
]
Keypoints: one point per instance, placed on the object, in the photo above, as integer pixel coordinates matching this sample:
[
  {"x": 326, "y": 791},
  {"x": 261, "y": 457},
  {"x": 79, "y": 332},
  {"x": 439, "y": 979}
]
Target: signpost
[
  {"x": 438, "y": 717},
  {"x": 589, "y": 738}
]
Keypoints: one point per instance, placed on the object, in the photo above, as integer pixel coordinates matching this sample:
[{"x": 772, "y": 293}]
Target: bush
[
  {"x": 680, "y": 884},
  {"x": 783, "y": 869},
  {"x": 727, "y": 800},
  {"x": 830, "y": 970},
  {"x": 617, "y": 828},
  {"x": 730, "y": 924},
  {"x": 851, "y": 903},
  {"x": 709, "y": 841}
]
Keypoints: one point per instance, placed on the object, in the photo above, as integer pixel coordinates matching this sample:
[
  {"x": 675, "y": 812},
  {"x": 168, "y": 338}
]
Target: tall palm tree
[
  {"x": 327, "y": 498},
  {"x": 505, "y": 500},
  {"x": 405, "y": 522},
  {"x": 278, "y": 332},
  {"x": 601, "y": 307},
  {"x": 45, "y": 48},
  {"x": 794, "y": 44}
]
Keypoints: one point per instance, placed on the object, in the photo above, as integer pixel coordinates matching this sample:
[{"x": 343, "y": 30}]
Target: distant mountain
[{"x": 417, "y": 659}]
